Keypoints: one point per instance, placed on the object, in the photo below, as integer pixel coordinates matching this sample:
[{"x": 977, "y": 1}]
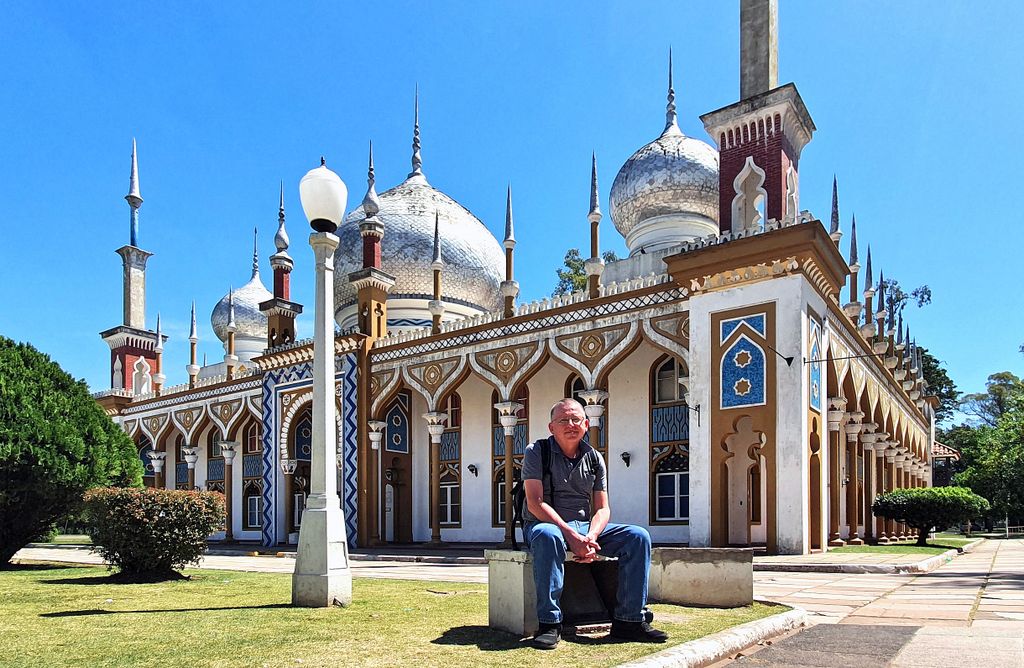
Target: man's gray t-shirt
[{"x": 574, "y": 480}]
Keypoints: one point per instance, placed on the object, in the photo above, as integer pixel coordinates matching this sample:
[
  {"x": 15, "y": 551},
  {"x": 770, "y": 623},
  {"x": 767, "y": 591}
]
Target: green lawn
[
  {"x": 74, "y": 616},
  {"x": 71, "y": 539},
  {"x": 937, "y": 547}
]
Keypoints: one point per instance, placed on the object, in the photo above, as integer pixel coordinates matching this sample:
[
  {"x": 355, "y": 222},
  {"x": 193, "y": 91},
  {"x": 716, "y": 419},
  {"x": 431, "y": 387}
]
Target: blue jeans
[{"x": 630, "y": 544}]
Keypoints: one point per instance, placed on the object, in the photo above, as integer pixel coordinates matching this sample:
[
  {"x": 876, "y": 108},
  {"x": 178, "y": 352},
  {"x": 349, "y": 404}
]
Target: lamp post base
[{"x": 322, "y": 577}]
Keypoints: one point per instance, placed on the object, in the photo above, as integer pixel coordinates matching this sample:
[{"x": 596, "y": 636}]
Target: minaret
[
  {"x": 417, "y": 160},
  {"x": 852, "y": 309},
  {"x": 594, "y": 265},
  {"x": 158, "y": 374},
  {"x": 509, "y": 287},
  {"x": 281, "y": 311},
  {"x": 230, "y": 358},
  {"x": 769, "y": 125},
  {"x": 435, "y": 305},
  {"x": 371, "y": 282},
  {"x": 130, "y": 341},
  {"x": 193, "y": 339},
  {"x": 868, "y": 328},
  {"x": 833, "y": 229}
]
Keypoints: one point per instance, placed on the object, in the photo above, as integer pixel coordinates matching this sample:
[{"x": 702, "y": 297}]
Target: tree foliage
[
  {"x": 898, "y": 299},
  {"x": 573, "y": 277},
  {"x": 992, "y": 404},
  {"x": 150, "y": 534},
  {"x": 925, "y": 507},
  {"x": 939, "y": 385},
  {"x": 55, "y": 443}
]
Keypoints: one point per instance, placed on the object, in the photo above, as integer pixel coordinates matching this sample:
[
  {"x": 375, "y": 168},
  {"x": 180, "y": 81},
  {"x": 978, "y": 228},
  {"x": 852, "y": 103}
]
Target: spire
[
  {"x": 371, "y": 205},
  {"x": 255, "y": 253},
  {"x": 899, "y": 329},
  {"x": 193, "y": 332},
  {"x": 417, "y": 161},
  {"x": 853, "y": 241},
  {"x": 159, "y": 335},
  {"x": 281, "y": 240},
  {"x": 671, "y": 124},
  {"x": 437, "y": 262},
  {"x": 510, "y": 237},
  {"x": 595, "y": 204},
  {"x": 881, "y": 291},
  {"x": 834, "y": 227},
  {"x": 231, "y": 310},
  {"x": 134, "y": 197},
  {"x": 867, "y": 276}
]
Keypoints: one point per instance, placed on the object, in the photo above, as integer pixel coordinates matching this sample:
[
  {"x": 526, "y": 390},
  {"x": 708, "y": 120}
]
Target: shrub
[
  {"x": 925, "y": 507},
  {"x": 55, "y": 443},
  {"x": 150, "y": 534}
]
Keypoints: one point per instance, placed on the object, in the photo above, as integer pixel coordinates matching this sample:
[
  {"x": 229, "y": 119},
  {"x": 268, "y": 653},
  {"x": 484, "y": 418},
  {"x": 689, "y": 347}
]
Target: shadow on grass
[
  {"x": 17, "y": 566},
  {"x": 94, "y": 611},
  {"x": 487, "y": 639},
  {"x": 122, "y": 579}
]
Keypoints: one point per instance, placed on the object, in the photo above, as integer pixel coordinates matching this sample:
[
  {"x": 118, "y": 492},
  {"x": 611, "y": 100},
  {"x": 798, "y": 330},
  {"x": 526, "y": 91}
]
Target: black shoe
[
  {"x": 636, "y": 632},
  {"x": 547, "y": 636}
]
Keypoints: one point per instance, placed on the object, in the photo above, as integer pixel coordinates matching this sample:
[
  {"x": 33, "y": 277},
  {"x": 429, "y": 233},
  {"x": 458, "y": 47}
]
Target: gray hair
[{"x": 568, "y": 401}]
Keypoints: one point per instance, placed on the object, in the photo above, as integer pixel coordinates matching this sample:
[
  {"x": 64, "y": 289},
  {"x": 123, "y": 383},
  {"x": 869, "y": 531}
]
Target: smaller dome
[{"x": 250, "y": 322}]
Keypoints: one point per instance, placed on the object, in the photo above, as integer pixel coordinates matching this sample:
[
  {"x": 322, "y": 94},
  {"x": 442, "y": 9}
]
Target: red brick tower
[{"x": 281, "y": 311}]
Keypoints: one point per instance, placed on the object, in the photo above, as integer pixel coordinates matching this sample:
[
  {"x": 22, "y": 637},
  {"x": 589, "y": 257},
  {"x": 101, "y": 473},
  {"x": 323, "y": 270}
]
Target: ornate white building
[{"x": 746, "y": 383}]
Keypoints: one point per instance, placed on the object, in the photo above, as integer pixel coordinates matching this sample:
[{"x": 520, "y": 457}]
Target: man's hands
[{"x": 584, "y": 548}]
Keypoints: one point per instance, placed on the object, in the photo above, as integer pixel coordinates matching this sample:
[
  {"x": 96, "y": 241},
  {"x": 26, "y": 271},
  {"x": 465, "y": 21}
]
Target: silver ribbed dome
[
  {"x": 473, "y": 260},
  {"x": 249, "y": 321},
  {"x": 674, "y": 174}
]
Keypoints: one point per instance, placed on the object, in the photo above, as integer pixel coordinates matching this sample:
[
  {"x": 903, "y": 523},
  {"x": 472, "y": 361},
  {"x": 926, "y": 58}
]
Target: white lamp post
[{"x": 322, "y": 576}]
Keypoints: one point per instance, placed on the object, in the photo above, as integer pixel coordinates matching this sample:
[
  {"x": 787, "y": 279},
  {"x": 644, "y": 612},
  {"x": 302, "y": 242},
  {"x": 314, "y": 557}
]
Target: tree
[
  {"x": 925, "y": 507},
  {"x": 939, "y": 385},
  {"x": 922, "y": 295},
  {"x": 574, "y": 277},
  {"x": 992, "y": 404},
  {"x": 55, "y": 443}
]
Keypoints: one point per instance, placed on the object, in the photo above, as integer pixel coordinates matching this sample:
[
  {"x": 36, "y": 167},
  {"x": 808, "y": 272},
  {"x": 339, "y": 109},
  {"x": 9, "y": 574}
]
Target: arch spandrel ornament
[
  {"x": 433, "y": 379},
  {"x": 131, "y": 427},
  {"x": 505, "y": 368},
  {"x": 671, "y": 333},
  {"x": 153, "y": 427},
  {"x": 225, "y": 413},
  {"x": 187, "y": 419},
  {"x": 592, "y": 354},
  {"x": 384, "y": 386}
]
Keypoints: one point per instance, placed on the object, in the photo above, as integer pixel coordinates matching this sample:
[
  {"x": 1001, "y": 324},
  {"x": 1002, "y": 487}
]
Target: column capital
[
  {"x": 435, "y": 425},
  {"x": 376, "y": 433},
  {"x": 191, "y": 453},
  {"x": 157, "y": 459},
  {"x": 228, "y": 450},
  {"x": 288, "y": 466}
]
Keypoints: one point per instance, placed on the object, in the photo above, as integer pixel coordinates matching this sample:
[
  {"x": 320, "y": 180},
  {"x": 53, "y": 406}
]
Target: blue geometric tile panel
[
  {"x": 396, "y": 434},
  {"x": 408, "y": 322},
  {"x": 181, "y": 473},
  {"x": 670, "y": 424},
  {"x": 815, "y": 367},
  {"x": 215, "y": 469},
  {"x": 252, "y": 466},
  {"x": 304, "y": 439},
  {"x": 743, "y": 374},
  {"x": 349, "y": 447},
  {"x": 449, "y": 446},
  {"x": 518, "y": 440},
  {"x": 755, "y": 322}
]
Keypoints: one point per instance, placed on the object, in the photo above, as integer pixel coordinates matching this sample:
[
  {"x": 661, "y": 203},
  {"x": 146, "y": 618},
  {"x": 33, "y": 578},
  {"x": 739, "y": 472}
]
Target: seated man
[{"x": 559, "y": 518}]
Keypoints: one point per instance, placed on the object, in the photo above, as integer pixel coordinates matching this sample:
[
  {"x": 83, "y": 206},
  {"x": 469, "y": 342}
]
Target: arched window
[
  {"x": 252, "y": 502},
  {"x": 148, "y": 473},
  {"x": 252, "y": 438},
  {"x": 750, "y": 203},
  {"x": 574, "y": 385},
  {"x": 214, "y": 462},
  {"x": 669, "y": 458},
  {"x": 180, "y": 465},
  {"x": 252, "y": 475},
  {"x": 450, "y": 503}
]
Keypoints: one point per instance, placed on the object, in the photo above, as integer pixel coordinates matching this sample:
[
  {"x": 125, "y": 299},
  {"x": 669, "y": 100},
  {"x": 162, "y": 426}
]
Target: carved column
[
  {"x": 158, "y": 458},
  {"x": 594, "y": 409},
  {"x": 836, "y": 414},
  {"x": 376, "y": 435},
  {"x": 435, "y": 426},
  {"x": 507, "y": 416},
  {"x": 853, "y": 428},
  {"x": 881, "y": 447},
  {"x": 288, "y": 469},
  {"x": 227, "y": 449},
  {"x": 868, "y": 440},
  {"x": 897, "y": 483},
  {"x": 191, "y": 453}
]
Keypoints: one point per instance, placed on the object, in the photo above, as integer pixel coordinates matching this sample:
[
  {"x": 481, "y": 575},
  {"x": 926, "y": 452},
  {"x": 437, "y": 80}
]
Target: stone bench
[{"x": 713, "y": 577}]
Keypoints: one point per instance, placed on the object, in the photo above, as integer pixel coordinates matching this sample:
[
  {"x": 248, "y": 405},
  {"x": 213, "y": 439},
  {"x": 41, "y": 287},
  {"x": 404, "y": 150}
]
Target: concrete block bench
[{"x": 714, "y": 577}]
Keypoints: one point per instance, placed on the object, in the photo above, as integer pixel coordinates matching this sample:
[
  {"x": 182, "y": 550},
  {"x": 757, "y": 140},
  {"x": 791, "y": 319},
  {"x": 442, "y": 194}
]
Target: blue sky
[{"x": 916, "y": 104}]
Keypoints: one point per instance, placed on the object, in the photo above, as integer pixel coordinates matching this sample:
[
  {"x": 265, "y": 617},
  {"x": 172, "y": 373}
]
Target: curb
[
  {"x": 720, "y": 645},
  {"x": 917, "y": 568}
]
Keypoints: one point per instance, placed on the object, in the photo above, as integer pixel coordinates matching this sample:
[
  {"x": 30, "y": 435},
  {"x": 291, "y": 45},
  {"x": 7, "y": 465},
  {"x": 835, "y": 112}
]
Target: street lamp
[{"x": 322, "y": 577}]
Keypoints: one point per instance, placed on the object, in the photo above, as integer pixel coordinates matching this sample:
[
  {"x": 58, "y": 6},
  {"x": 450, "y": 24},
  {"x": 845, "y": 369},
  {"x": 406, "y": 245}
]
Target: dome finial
[
  {"x": 281, "y": 238},
  {"x": 134, "y": 197},
  {"x": 255, "y": 253},
  {"x": 417, "y": 161},
  {"x": 510, "y": 236},
  {"x": 670, "y": 110},
  {"x": 159, "y": 335},
  {"x": 595, "y": 202},
  {"x": 437, "y": 262},
  {"x": 371, "y": 205}
]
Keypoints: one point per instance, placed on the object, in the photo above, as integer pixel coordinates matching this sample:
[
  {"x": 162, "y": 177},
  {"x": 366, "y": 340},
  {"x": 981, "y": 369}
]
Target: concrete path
[{"x": 969, "y": 611}]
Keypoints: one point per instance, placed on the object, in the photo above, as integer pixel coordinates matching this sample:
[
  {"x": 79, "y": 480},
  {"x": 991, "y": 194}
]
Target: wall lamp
[
  {"x": 625, "y": 458},
  {"x": 473, "y": 469}
]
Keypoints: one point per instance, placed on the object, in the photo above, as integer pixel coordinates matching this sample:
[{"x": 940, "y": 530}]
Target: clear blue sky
[{"x": 917, "y": 106}]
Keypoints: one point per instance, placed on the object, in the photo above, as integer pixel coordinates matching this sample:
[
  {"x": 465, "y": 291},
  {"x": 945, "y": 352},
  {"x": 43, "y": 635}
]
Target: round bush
[
  {"x": 925, "y": 507},
  {"x": 150, "y": 534}
]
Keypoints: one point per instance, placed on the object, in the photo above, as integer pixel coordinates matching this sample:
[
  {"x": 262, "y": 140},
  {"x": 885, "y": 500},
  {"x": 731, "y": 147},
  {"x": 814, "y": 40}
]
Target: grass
[
  {"x": 75, "y": 616},
  {"x": 902, "y": 548},
  {"x": 71, "y": 539}
]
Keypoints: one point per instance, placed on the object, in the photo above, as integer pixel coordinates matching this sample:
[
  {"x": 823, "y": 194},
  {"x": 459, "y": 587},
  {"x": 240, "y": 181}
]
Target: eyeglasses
[{"x": 576, "y": 422}]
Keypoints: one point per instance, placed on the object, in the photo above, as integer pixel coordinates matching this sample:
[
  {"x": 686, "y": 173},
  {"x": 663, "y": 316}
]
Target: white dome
[
  {"x": 249, "y": 321},
  {"x": 474, "y": 261}
]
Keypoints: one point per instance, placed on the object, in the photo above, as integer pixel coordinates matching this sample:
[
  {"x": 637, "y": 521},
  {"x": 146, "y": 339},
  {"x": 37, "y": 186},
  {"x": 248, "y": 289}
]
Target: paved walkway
[{"x": 970, "y": 609}]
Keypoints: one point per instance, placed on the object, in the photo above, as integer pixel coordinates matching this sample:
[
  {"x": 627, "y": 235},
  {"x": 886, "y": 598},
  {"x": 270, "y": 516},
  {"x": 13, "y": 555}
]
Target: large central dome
[{"x": 473, "y": 259}]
